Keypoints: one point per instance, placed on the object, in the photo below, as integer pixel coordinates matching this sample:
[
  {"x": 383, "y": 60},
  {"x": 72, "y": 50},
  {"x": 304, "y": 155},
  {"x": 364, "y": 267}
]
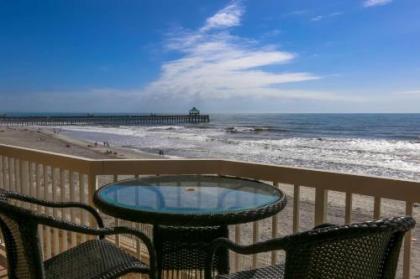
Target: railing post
[
  {"x": 407, "y": 244},
  {"x": 321, "y": 202}
]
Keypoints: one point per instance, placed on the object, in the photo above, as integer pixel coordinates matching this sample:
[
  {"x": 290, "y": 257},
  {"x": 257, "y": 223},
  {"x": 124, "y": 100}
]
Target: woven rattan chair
[
  {"x": 364, "y": 250},
  {"x": 96, "y": 258}
]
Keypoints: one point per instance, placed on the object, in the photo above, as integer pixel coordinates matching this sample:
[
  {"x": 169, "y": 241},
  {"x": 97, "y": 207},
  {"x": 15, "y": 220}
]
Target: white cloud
[
  {"x": 227, "y": 17},
  {"x": 218, "y": 65},
  {"x": 320, "y": 17},
  {"x": 372, "y": 3}
]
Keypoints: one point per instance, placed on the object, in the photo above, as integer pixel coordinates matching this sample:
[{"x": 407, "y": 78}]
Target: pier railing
[{"x": 314, "y": 197}]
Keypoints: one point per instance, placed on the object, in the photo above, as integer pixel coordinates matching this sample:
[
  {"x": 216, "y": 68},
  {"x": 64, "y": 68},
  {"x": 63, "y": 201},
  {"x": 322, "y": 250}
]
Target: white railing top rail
[{"x": 58, "y": 160}]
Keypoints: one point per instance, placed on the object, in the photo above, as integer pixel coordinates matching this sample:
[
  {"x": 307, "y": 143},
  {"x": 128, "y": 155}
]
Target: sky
[{"x": 289, "y": 56}]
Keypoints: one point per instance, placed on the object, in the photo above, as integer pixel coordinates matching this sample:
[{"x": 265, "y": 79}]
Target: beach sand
[{"x": 46, "y": 139}]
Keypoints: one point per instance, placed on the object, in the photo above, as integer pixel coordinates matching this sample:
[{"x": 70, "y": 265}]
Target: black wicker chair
[
  {"x": 95, "y": 259},
  {"x": 364, "y": 250}
]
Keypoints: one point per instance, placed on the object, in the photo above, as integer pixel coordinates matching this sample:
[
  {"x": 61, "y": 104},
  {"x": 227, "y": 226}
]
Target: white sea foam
[{"x": 383, "y": 157}]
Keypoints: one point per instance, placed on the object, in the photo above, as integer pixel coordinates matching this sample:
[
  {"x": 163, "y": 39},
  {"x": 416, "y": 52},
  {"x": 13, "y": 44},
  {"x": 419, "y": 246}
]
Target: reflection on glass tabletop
[
  {"x": 189, "y": 194},
  {"x": 190, "y": 200}
]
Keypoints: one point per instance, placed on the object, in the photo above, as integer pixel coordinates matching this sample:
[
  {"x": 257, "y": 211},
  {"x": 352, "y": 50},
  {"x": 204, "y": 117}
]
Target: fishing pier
[{"x": 111, "y": 120}]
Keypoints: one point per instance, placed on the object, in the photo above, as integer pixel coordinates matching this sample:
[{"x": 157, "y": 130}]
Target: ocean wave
[
  {"x": 254, "y": 130},
  {"x": 383, "y": 157}
]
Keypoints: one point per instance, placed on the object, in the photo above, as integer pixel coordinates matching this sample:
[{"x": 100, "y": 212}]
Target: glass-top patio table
[{"x": 189, "y": 211}]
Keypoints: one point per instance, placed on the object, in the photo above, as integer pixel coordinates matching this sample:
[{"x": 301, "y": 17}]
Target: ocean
[{"x": 371, "y": 144}]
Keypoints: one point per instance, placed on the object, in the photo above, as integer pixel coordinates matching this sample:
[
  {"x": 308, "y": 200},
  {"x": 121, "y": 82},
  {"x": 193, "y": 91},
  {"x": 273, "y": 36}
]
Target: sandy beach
[
  {"x": 52, "y": 140},
  {"x": 48, "y": 140}
]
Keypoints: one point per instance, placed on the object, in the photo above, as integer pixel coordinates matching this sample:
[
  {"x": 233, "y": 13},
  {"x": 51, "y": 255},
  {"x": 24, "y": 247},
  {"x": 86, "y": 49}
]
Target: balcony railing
[{"x": 314, "y": 197}]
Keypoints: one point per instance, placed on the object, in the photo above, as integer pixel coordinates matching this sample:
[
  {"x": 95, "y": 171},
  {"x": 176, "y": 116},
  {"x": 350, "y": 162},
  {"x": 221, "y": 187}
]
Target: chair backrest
[
  {"x": 364, "y": 250},
  {"x": 20, "y": 232}
]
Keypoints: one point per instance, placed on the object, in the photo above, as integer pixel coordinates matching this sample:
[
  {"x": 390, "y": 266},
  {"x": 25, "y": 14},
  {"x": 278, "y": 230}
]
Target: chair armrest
[
  {"x": 28, "y": 199},
  {"x": 259, "y": 247},
  {"x": 102, "y": 232}
]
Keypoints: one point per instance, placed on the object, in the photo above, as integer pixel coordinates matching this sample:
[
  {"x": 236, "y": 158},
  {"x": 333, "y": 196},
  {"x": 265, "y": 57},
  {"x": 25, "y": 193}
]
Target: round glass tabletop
[{"x": 190, "y": 200}]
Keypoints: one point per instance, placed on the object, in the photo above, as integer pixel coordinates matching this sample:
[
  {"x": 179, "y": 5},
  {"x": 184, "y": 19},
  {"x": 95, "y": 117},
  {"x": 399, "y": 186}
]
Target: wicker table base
[{"x": 186, "y": 249}]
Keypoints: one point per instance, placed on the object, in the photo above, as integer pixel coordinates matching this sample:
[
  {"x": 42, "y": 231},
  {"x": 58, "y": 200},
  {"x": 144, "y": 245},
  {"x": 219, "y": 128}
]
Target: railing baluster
[
  {"x": 64, "y": 212},
  {"x": 17, "y": 177},
  {"x": 296, "y": 208},
  {"x": 377, "y": 208},
  {"x": 2, "y": 186},
  {"x": 91, "y": 188},
  {"x": 26, "y": 174},
  {"x": 117, "y": 221},
  {"x": 237, "y": 241},
  {"x": 321, "y": 201},
  {"x": 237, "y": 236},
  {"x": 21, "y": 171},
  {"x": 11, "y": 181},
  {"x": 348, "y": 207},
  {"x": 138, "y": 243},
  {"x": 32, "y": 185},
  {"x": 72, "y": 191},
  {"x": 47, "y": 229},
  {"x": 274, "y": 231},
  {"x": 407, "y": 244},
  {"x": 38, "y": 181},
  {"x": 5, "y": 173},
  {"x": 255, "y": 236},
  {"x": 55, "y": 244},
  {"x": 2, "y": 172},
  {"x": 82, "y": 196}
]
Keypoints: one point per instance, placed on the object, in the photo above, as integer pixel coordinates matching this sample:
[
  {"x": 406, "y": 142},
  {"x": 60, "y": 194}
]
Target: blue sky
[{"x": 222, "y": 56}]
